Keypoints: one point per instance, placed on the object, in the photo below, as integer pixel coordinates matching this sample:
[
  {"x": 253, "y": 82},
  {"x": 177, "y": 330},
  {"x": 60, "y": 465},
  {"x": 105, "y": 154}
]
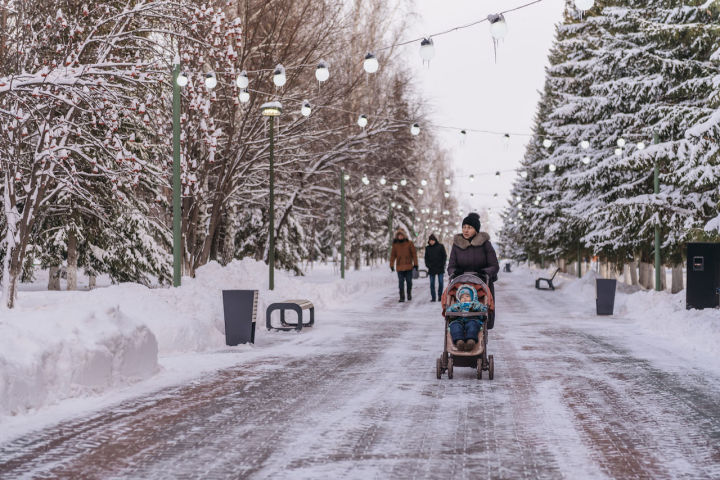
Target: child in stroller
[{"x": 464, "y": 330}]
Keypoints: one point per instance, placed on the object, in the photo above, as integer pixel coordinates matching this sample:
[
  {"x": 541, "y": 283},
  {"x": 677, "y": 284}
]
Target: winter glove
[{"x": 392, "y": 269}]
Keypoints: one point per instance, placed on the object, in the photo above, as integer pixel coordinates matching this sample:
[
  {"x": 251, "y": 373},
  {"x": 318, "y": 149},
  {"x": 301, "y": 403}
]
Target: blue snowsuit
[{"x": 467, "y": 328}]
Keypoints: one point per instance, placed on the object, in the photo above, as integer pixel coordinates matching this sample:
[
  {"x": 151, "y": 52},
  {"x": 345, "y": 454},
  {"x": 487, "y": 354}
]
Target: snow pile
[
  {"x": 657, "y": 313},
  {"x": 57, "y": 345}
]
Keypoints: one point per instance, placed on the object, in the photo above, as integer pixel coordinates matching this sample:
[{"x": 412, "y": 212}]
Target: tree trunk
[
  {"x": 562, "y": 265},
  {"x": 92, "y": 281},
  {"x": 54, "y": 278},
  {"x": 677, "y": 278},
  {"x": 72, "y": 258},
  {"x": 643, "y": 274},
  {"x": 663, "y": 278},
  {"x": 633, "y": 273},
  {"x": 603, "y": 269},
  {"x": 627, "y": 277}
]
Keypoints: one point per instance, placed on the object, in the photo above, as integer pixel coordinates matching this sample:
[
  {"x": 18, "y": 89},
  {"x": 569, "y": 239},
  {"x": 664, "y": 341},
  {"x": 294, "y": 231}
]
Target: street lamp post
[
  {"x": 342, "y": 224},
  {"x": 271, "y": 110},
  {"x": 177, "y": 212},
  {"x": 656, "y": 175},
  {"x": 390, "y": 225}
]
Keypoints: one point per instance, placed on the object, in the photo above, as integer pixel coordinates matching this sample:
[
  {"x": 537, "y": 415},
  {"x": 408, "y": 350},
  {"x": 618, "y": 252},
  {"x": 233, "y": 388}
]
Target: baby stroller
[{"x": 476, "y": 358}]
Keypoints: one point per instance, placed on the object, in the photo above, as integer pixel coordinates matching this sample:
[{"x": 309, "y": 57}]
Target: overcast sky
[{"x": 467, "y": 89}]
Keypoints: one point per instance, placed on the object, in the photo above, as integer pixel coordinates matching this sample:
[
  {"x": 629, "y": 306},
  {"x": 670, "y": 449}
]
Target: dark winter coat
[
  {"x": 435, "y": 258},
  {"x": 474, "y": 255},
  {"x": 403, "y": 251}
]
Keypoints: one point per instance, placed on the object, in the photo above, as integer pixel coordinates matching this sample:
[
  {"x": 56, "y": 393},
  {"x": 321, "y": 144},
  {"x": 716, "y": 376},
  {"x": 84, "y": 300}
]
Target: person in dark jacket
[
  {"x": 435, "y": 258},
  {"x": 403, "y": 258},
  {"x": 473, "y": 252}
]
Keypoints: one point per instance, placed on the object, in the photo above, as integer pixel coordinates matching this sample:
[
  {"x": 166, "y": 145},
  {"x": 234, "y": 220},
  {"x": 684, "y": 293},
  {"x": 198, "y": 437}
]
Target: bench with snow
[
  {"x": 298, "y": 306},
  {"x": 548, "y": 280}
]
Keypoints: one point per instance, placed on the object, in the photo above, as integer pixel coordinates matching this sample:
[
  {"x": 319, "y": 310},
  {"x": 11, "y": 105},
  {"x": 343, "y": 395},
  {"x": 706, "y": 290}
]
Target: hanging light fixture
[
  {"x": 244, "y": 96},
  {"x": 427, "y": 50},
  {"x": 415, "y": 129},
  {"x": 383, "y": 181},
  {"x": 370, "y": 64},
  {"x": 584, "y": 144},
  {"x": 403, "y": 182},
  {"x": 584, "y": 5},
  {"x": 517, "y": 198},
  {"x": 210, "y": 81},
  {"x": 392, "y": 204},
  {"x": 547, "y": 143},
  {"x": 420, "y": 191},
  {"x": 586, "y": 160},
  {"x": 447, "y": 194},
  {"x": 618, "y": 151},
  {"x": 552, "y": 167},
  {"x": 498, "y": 26},
  {"x": 362, "y": 121},
  {"x": 242, "y": 80},
  {"x": 182, "y": 79},
  {"x": 621, "y": 142},
  {"x": 423, "y": 182},
  {"x": 447, "y": 181},
  {"x": 641, "y": 146},
  {"x": 346, "y": 177},
  {"x": 306, "y": 109},
  {"x": 394, "y": 186},
  {"x": 279, "y": 78},
  {"x": 472, "y": 178},
  {"x": 523, "y": 174},
  {"x": 322, "y": 72},
  {"x": 497, "y": 174},
  {"x": 365, "y": 180}
]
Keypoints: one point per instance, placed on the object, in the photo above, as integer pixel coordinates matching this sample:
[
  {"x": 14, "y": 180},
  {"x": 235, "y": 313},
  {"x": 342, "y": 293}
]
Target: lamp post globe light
[
  {"x": 279, "y": 78},
  {"x": 498, "y": 26},
  {"x": 271, "y": 110},
  {"x": 427, "y": 49},
  {"x": 415, "y": 129},
  {"x": 322, "y": 72}
]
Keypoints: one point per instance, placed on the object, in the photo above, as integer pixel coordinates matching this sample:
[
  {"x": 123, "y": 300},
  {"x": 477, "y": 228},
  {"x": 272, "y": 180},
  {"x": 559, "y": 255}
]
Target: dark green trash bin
[{"x": 605, "y": 295}]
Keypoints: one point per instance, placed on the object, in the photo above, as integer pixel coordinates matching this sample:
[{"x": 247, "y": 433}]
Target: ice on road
[{"x": 574, "y": 396}]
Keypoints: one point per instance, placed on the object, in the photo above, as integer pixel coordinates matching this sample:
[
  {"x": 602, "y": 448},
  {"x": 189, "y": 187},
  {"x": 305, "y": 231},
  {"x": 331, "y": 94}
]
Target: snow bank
[
  {"x": 659, "y": 314},
  {"x": 57, "y": 345}
]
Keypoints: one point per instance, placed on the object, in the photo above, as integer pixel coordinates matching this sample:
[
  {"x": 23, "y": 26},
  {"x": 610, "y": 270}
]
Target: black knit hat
[
  {"x": 473, "y": 219},
  {"x": 432, "y": 237}
]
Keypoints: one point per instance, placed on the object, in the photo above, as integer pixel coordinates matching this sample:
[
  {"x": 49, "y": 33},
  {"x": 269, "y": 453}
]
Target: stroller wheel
[
  {"x": 438, "y": 368},
  {"x": 450, "y": 367},
  {"x": 491, "y": 367},
  {"x": 479, "y": 370}
]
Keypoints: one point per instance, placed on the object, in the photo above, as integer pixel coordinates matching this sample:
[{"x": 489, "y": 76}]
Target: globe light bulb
[
  {"x": 365, "y": 180},
  {"x": 641, "y": 146},
  {"x": 279, "y": 78},
  {"x": 498, "y": 26},
  {"x": 586, "y": 160},
  {"x": 244, "y": 96},
  {"x": 621, "y": 142},
  {"x": 423, "y": 182},
  {"x": 420, "y": 191},
  {"x": 322, "y": 72},
  {"x": 427, "y": 49},
  {"x": 383, "y": 181},
  {"x": 362, "y": 121},
  {"x": 403, "y": 182},
  {"x": 394, "y": 186},
  {"x": 415, "y": 129},
  {"x": 370, "y": 64},
  {"x": 584, "y": 144},
  {"x": 618, "y": 151},
  {"x": 306, "y": 110},
  {"x": 584, "y": 5},
  {"x": 547, "y": 143},
  {"x": 523, "y": 174},
  {"x": 447, "y": 181},
  {"x": 182, "y": 79},
  {"x": 210, "y": 81},
  {"x": 552, "y": 167},
  {"x": 242, "y": 80}
]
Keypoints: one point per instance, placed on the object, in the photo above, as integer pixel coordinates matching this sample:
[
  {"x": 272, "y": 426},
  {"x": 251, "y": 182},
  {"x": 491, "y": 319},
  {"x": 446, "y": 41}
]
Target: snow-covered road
[{"x": 574, "y": 396}]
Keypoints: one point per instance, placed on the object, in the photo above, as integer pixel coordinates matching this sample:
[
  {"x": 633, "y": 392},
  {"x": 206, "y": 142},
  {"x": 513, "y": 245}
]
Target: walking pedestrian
[
  {"x": 473, "y": 252},
  {"x": 435, "y": 258},
  {"x": 403, "y": 259}
]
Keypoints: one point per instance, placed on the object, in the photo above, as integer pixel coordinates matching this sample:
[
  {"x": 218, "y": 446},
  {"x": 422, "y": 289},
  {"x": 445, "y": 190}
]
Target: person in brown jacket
[{"x": 403, "y": 258}]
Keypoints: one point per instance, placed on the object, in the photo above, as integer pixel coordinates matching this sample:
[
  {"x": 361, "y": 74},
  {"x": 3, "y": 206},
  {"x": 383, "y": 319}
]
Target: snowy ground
[{"x": 574, "y": 395}]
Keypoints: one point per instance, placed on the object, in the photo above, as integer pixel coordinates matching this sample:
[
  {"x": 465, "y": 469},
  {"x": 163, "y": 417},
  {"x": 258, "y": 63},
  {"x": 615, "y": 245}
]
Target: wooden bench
[
  {"x": 298, "y": 306},
  {"x": 548, "y": 280}
]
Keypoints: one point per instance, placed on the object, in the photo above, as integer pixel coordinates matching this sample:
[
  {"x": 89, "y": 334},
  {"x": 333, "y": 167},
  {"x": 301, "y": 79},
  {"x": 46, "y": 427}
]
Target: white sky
[{"x": 467, "y": 89}]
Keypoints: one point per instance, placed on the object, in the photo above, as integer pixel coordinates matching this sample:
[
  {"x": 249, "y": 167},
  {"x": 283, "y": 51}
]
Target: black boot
[
  {"x": 402, "y": 296},
  {"x": 409, "y": 294}
]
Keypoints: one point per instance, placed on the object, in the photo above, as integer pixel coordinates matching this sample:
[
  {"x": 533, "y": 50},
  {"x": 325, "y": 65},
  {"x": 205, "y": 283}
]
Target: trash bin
[
  {"x": 703, "y": 275},
  {"x": 240, "y": 309},
  {"x": 605, "y": 295}
]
